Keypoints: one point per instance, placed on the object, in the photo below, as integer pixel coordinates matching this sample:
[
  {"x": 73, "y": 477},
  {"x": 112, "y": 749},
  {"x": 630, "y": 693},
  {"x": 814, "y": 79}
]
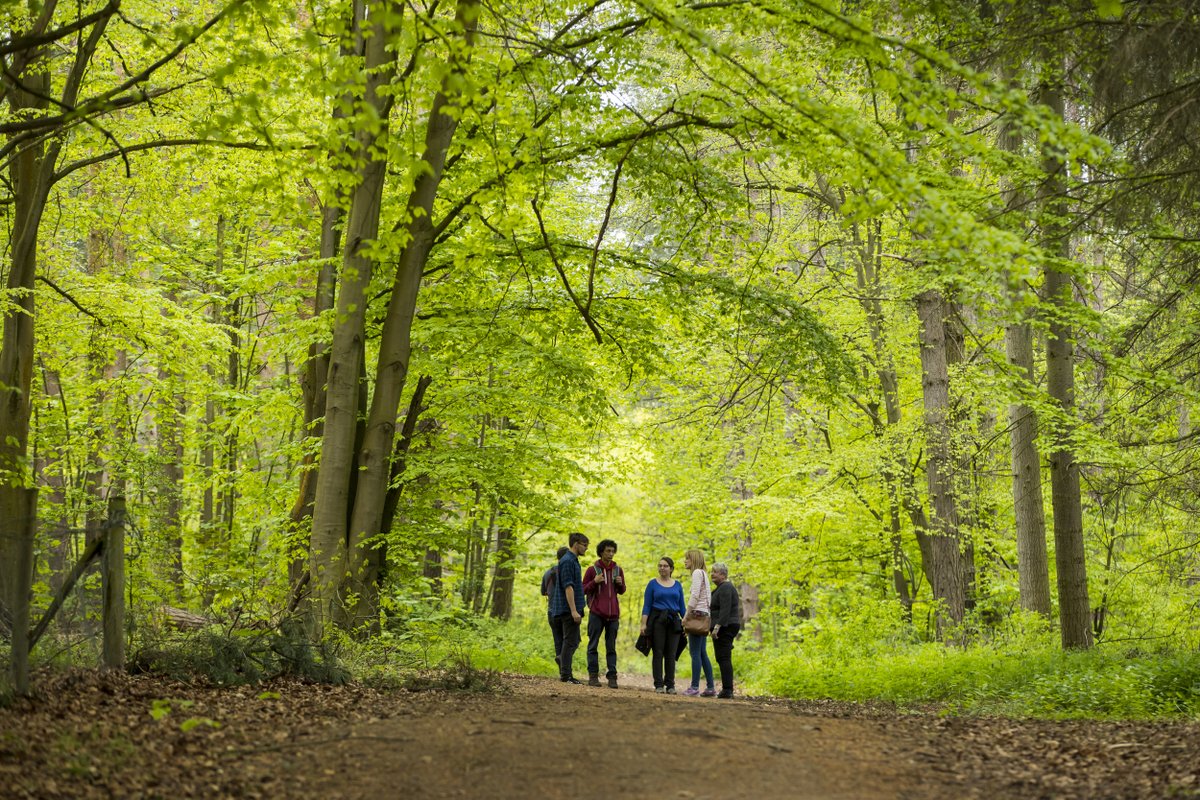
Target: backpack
[{"x": 549, "y": 581}]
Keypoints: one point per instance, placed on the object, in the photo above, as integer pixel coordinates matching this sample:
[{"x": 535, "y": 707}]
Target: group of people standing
[{"x": 712, "y": 609}]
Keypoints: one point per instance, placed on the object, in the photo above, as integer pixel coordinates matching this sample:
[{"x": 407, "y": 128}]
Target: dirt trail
[
  {"x": 91, "y": 735},
  {"x": 545, "y": 739}
]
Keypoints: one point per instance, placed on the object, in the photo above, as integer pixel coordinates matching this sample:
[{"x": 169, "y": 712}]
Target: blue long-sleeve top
[{"x": 663, "y": 598}]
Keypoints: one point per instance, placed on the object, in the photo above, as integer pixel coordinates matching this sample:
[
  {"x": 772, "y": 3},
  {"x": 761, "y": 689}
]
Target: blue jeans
[
  {"x": 698, "y": 647},
  {"x": 599, "y": 626}
]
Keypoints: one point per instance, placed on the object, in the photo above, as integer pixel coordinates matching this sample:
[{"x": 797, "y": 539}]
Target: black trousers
[
  {"x": 568, "y": 633},
  {"x": 602, "y": 628},
  {"x": 723, "y": 651},
  {"x": 665, "y": 629},
  {"x": 556, "y": 632}
]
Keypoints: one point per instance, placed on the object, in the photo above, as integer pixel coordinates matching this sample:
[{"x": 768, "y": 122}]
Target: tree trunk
[
  {"x": 946, "y": 573},
  {"x": 333, "y": 501},
  {"x": 1033, "y": 571},
  {"x": 391, "y": 372},
  {"x": 1069, "y": 551},
  {"x": 31, "y": 176},
  {"x": 19, "y": 521},
  {"x": 113, "y": 585},
  {"x": 1029, "y": 510},
  {"x": 897, "y": 478}
]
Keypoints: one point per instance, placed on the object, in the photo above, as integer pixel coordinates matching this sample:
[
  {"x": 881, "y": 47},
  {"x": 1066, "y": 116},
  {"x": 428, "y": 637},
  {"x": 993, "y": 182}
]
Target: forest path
[
  {"x": 539, "y": 738},
  {"x": 104, "y": 735}
]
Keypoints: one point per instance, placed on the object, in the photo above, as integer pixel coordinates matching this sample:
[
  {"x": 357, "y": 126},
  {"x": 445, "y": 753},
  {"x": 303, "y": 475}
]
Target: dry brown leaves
[{"x": 93, "y": 735}]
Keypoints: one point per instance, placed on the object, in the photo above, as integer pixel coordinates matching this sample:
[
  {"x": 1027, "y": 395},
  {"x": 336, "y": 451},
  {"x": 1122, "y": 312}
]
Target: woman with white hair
[{"x": 726, "y": 615}]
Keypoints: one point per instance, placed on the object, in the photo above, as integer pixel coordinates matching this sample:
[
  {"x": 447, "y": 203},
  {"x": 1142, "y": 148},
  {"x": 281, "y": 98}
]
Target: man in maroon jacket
[{"x": 603, "y": 582}]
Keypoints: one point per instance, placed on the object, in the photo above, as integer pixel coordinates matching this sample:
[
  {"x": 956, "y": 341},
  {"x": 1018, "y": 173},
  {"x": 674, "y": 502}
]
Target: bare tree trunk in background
[
  {"x": 208, "y": 539},
  {"x": 171, "y": 411},
  {"x": 113, "y": 583},
  {"x": 970, "y": 515},
  {"x": 945, "y": 568},
  {"x": 1070, "y": 555},
  {"x": 1029, "y": 510},
  {"x": 897, "y": 477},
  {"x": 49, "y": 470}
]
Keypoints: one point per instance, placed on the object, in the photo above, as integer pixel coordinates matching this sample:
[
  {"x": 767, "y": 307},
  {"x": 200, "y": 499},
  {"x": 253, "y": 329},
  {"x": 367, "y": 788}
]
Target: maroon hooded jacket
[{"x": 602, "y": 596}]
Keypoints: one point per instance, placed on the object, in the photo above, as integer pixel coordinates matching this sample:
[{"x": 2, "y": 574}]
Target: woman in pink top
[{"x": 698, "y": 601}]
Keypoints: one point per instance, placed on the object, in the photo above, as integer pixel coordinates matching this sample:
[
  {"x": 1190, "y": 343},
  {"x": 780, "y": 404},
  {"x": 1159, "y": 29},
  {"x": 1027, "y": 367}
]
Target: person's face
[
  {"x": 606, "y": 555},
  {"x": 664, "y": 569},
  {"x": 687, "y": 562},
  {"x": 580, "y": 547},
  {"x": 719, "y": 577}
]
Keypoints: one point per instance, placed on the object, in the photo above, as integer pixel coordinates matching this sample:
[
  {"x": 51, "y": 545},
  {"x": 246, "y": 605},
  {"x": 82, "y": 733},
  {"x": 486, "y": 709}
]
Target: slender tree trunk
[
  {"x": 897, "y": 478},
  {"x": 946, "y": 572},
  {"x": 391, "y": 372},
  {"x": 333, "y": 500},
  {"x": 1070, "y": 555},
  {"x": 31, "y": 176},
  {"x": 113, "y": 582},
  {"x": 1029, "y": 510},
  {"x": 170, "y": 496}
]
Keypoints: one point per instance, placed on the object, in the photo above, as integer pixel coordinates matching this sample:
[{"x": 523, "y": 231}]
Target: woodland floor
[{"x": 87, "y": 735}]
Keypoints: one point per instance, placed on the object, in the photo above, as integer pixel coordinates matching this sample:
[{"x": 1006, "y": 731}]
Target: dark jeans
[
  {"x": 556, "y": 632},
  {"x": 597, "y": 626},
  {"x": 723, "y": 650},
  {"x": 567, "y": 631},
  {"x": 665, "y": 629},
  {"x": 698, "y": 647}
]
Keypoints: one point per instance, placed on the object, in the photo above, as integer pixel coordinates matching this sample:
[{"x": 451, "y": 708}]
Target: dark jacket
[
  {"x": 726, "y": 606},
  {"x": 603, "y": 597}
]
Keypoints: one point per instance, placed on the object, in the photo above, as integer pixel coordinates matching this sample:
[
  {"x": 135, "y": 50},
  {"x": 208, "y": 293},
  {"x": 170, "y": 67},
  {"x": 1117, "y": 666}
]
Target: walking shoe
[
  {"x": 576, "y": 681},
  {"x": 691, "y": 691},
  {"x": 724, "y": 696},
  {"x": 612, "y": 682},
  {"x": 593, "y": 680},
  {"x": 709, "y": 693},
  {"x": 660, "y": 689},
  {"x": 670, "y": 690}
]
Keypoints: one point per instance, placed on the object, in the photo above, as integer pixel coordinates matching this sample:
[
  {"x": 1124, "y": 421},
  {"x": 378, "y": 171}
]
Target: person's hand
[
  {"x": 599, "y": 576},
  {"x": 716, "y": 631},
  {"x": 643, "y": 631},
  {"x": 576, "y": 616},
  {"x": 619, "y": 580}
]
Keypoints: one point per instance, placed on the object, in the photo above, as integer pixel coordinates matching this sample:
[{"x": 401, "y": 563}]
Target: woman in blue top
[{"x": 662, "y": 618}]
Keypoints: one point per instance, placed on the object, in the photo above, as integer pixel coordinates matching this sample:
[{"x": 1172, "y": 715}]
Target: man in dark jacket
[
  {"x": 549, "y": 581},
  {"x": 603, "y": 583},
  {"x": 566, "y": 605},
  {"x": 726, "y": 615}
]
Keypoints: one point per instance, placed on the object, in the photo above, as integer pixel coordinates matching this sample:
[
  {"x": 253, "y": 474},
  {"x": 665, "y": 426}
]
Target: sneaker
[
  {"x": 593, "y": 680},
  {"x": 670, "y": 690},
  {"x": 724, "y": 696},
  {"x": 575, "y": 681},
  {"x": 660, "y": 689},
  {"x": 691, "y": 691},
  {"x": 709, "y": 693},
  {"x": 612, "y": 683}
]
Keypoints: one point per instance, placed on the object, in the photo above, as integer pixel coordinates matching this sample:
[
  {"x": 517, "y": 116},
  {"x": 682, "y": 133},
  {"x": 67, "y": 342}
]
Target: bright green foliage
[{"x": 678, "y": 251}]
